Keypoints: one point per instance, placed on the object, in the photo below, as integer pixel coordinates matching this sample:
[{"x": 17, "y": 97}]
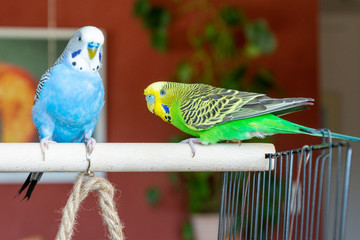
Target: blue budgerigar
[{"x": 69, "y": 96}]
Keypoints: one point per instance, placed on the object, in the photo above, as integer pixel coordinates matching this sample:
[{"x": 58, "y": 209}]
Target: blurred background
[{"x": 298, "y": 49}]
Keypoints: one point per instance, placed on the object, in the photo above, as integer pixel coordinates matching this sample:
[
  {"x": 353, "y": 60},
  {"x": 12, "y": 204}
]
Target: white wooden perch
[{"x": 135, "y": 157}]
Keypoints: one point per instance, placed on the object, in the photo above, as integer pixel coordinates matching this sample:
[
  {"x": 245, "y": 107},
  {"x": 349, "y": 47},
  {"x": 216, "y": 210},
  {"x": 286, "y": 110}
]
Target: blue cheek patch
[
  {"x": 166, "y": 108},
  {"x": 100, "y": 57},
  {"x": 74, "y": 54}
]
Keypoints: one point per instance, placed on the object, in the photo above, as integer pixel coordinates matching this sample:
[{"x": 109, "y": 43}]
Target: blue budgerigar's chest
[{"x": 73, "y": 98}]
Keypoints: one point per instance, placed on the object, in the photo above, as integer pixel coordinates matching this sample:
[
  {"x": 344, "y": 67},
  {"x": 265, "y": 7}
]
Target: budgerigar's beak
[
  {"x": 92, "y": 49},
  {"x": 150, "y": 102},
  {"x": 150, "y": 106}
]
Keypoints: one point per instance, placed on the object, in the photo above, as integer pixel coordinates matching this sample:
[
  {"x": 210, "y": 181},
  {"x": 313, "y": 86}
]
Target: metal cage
[{"x": 303, "y": 195}]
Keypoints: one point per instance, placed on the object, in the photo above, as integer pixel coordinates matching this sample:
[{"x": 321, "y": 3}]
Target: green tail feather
[
  {"x": 345, "y": 137},
  {"x": 315, "y": 132}
]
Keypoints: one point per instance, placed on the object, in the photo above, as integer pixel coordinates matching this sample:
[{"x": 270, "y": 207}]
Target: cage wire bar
[{"x": 303, "y": 197}]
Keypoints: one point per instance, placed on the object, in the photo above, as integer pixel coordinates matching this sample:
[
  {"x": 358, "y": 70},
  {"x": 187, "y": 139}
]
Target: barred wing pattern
[
  {"x": 205, "y": 106},
  {"x": 46, "y": 76},
  {"x": 41, "y": 83}
]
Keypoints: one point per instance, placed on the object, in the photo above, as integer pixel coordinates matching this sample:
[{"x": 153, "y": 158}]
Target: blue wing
[
  {"x": 47, "y": 75},
  {"x": 41, "y": 83}
]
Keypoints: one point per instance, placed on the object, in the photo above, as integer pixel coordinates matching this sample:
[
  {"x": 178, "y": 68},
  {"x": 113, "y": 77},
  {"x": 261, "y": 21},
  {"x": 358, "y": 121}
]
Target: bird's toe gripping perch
[{"x": 88, "y": 158}]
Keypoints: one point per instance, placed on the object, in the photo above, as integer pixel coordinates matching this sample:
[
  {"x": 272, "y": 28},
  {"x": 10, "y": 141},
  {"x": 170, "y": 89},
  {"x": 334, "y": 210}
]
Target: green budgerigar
[{"x": 215, "y": 114}]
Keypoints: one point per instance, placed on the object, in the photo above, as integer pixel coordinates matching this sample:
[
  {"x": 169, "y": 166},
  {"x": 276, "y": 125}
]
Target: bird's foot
[
  {"x": 44, "y": 145},
  {"x": 90, "y": 144},
  {"x": 191, "y": 142},
  {"x": 238, "y": 142}
]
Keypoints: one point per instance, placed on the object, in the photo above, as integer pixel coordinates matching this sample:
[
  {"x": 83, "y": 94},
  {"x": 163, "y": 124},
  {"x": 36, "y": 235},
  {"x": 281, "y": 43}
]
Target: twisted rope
[{"x": 106, "y": 199}]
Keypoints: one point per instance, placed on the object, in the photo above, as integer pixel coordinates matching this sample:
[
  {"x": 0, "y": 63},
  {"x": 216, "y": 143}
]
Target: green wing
[{"x": 205, "y": 106}]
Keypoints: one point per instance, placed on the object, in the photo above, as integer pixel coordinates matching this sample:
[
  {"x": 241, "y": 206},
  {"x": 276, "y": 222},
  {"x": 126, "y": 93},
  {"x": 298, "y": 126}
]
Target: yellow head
[{"x": 160, "y": 96}]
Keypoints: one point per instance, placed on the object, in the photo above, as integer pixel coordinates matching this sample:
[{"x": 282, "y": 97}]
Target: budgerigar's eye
[
  {"x": 79, "y": 38},
  {"x": 150, "y": 98},
  {"x": 162, "y": 92}
]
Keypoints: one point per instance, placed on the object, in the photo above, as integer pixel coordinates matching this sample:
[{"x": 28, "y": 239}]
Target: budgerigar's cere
[
  {"x": 215, "y": 114},
  {"x": 69, "y": 96}
]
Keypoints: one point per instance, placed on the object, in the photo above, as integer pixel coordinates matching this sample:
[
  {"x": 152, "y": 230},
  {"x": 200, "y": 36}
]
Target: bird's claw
[
  {"x": 238, "y": 142},
  {"x": 191, "y": 142},
  {"x": 44, "y": 145},
  {"x": 90, "y": 144}
]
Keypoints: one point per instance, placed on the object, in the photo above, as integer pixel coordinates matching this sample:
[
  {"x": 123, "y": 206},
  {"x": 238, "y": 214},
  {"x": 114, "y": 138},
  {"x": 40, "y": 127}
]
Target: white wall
[{"x": 340, "y": 92}]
